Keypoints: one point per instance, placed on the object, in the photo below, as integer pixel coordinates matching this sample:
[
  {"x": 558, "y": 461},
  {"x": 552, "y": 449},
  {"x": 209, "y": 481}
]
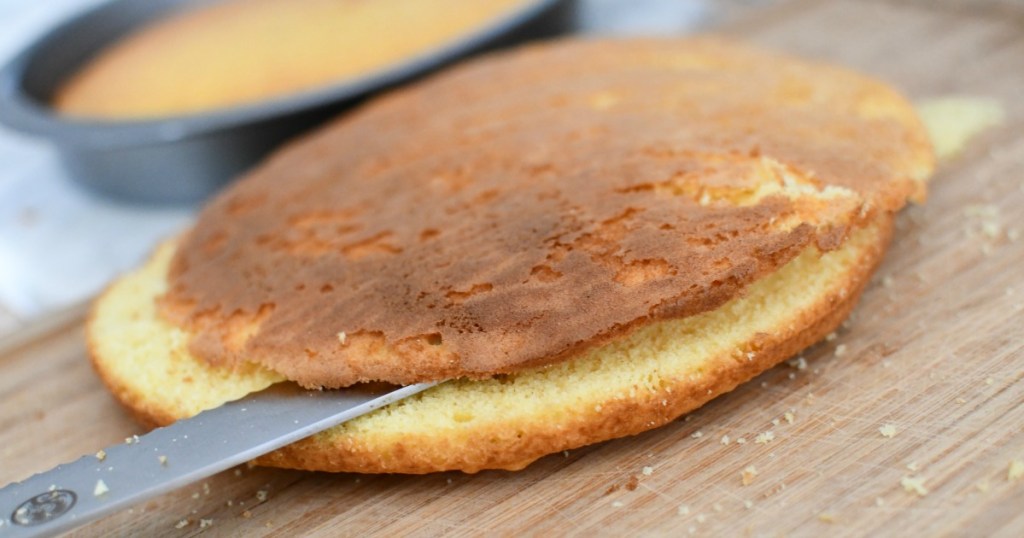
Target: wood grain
[{"x": 936, "y": 349}]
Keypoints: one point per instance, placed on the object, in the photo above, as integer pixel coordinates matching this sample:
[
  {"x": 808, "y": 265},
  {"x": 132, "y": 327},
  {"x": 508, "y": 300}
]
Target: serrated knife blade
[{"x": 168, "y": 458}]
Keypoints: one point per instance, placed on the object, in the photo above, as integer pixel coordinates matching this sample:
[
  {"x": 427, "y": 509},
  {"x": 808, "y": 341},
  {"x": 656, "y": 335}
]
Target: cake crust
[{"x": 498, "y": 209}]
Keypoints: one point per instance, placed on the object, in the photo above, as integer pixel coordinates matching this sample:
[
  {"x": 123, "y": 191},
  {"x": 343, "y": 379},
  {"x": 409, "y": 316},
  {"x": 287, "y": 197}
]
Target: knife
[{"x": 167, "y": 458}]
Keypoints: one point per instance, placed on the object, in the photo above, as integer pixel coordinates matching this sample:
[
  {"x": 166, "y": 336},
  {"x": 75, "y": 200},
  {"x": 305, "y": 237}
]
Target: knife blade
[{"x": 167, "y": 458}]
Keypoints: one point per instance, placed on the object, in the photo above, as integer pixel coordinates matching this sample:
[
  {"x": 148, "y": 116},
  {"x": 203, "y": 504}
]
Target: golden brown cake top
[
  {"x": 236, "y": 52},
  {"x": 525, "y": 206}
]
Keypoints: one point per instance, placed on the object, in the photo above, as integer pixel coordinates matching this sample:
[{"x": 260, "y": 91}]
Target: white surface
[{"x": 59, "y": 244}]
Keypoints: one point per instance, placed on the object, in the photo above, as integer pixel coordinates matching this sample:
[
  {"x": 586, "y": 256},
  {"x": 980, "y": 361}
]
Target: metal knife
[{"x": 75, "y": 493}]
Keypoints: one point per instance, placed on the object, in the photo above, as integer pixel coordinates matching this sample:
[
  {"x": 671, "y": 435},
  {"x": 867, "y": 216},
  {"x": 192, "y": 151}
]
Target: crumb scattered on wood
[
  {"x": 725, "y": 440},
  {"x": 991, "y": 229},
  {"x": 683, "y": 510},
  {"x": 914, "y": 484},
  {"x": 952, "y": 121},
  {"x": 764, "y": 438},
  {"x": 748, "y": 475},
  {"x": 163, "y": 460},
  {"x": 181, "y": 524},
  {"x": 826, "y": 517},
  {"x": 789, "y": 416},
  {"x": 647, "y": 471},
  {"x": 840, "y": 350},
  {"x": 888, "y": 430},
  {"x": 1015, "y": 471},
  {"x": 101, "y": 455},
  {"x": 203, "y": 523},
  {"x": 261, "y": 495}
]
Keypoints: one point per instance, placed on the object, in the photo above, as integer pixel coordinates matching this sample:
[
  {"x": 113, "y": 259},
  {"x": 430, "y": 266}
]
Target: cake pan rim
[{"x": 21, "y": 112}]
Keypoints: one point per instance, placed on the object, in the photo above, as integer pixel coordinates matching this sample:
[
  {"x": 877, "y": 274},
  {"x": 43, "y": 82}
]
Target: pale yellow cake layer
[{"x": 640, "y": 381}]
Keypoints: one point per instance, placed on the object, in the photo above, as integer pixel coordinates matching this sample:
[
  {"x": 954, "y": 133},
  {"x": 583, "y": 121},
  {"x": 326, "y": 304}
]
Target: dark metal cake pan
[{"x": 185, "y": 158}]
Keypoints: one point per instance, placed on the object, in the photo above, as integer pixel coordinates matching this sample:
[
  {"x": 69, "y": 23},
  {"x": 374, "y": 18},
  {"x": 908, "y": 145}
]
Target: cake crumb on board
[
  {"x": 1015, "y": 471},
  {"x": 748, "y": 475},
  {"x": 914, "y": 484},
  {"x": 952, "y": 121},
  {"x": 888, "y": 430}
]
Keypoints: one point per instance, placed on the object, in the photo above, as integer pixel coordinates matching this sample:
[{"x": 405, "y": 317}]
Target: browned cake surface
[{"x": 528, "y": 205}]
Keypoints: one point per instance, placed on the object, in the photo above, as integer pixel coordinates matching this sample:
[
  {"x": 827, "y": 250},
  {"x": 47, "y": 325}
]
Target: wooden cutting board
[{"x": 936, "y": 350}]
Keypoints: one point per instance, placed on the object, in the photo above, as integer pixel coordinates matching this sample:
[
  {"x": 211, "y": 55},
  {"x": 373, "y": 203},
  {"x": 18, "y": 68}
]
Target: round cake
[
  {"x": 584, "y": 239},
  {"x": 236, "y": 52}
]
